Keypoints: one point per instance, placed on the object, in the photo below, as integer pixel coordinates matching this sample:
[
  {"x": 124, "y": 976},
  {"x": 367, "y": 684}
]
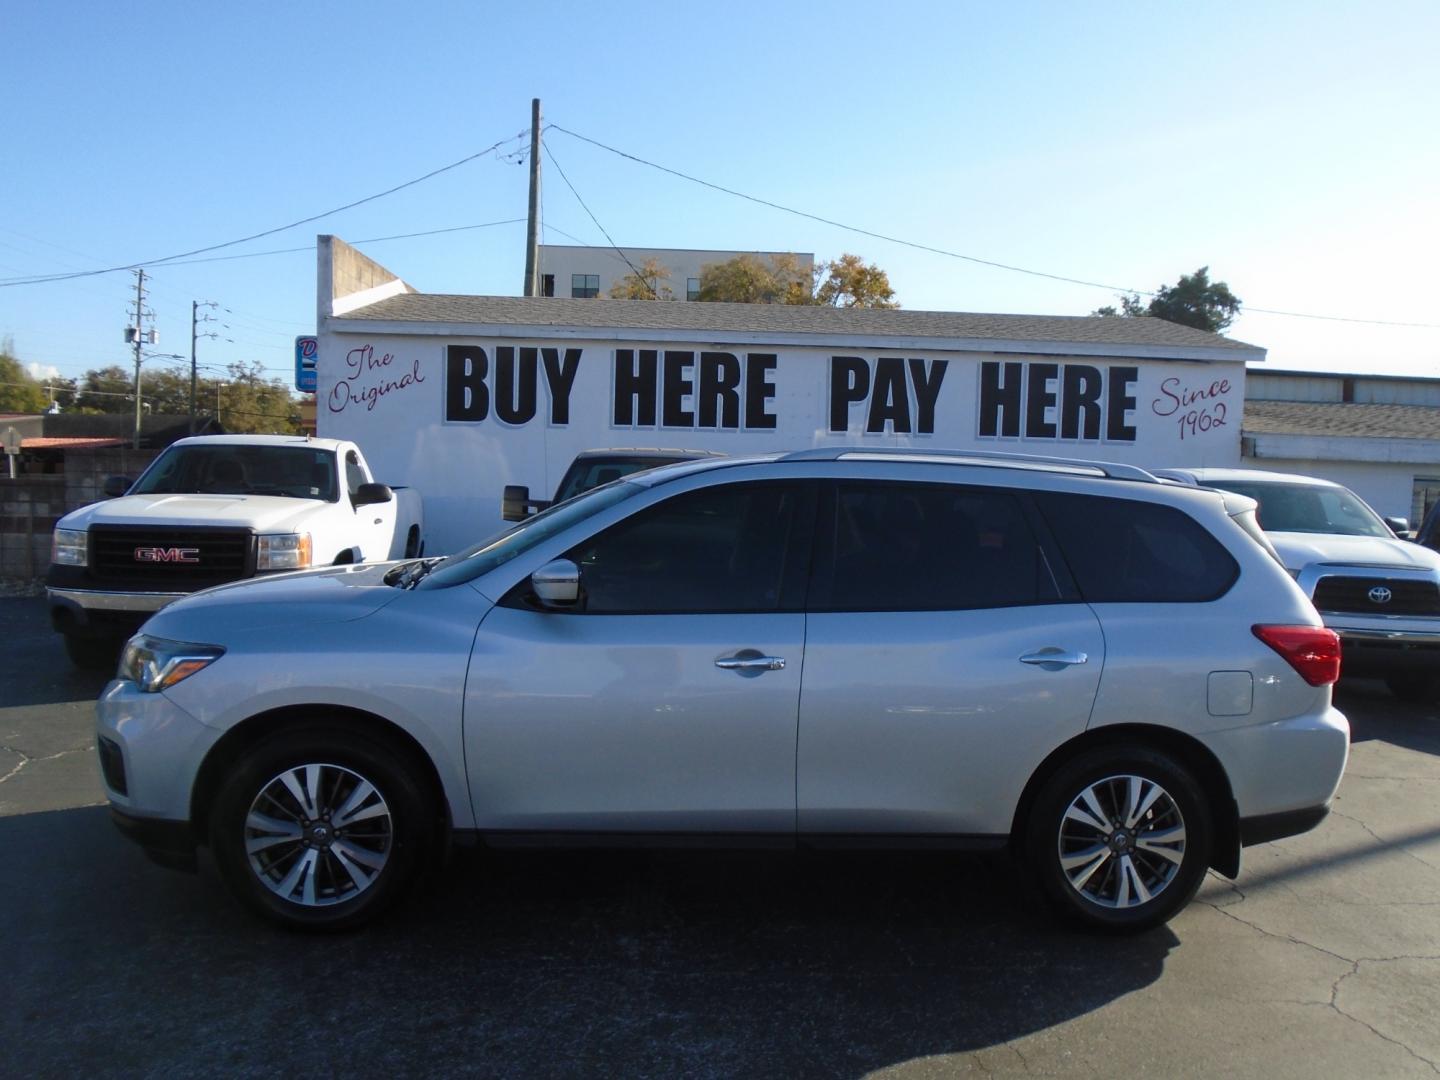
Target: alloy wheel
[{"x": 1121, "y": 842}]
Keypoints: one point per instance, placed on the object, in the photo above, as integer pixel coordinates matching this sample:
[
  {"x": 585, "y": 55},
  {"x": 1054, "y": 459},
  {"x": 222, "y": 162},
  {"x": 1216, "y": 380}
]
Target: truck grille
[
  {"x": 170, "y": 559},
  {"x": 1353, "y": 594}
]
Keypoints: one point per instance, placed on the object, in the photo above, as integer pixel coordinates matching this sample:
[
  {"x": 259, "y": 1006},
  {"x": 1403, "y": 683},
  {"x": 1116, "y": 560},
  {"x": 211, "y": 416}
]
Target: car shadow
[
  {"x": 1375, "y": 713},
  {"x": 531, "y": 964},
  {"x": 33, "y": 667}
]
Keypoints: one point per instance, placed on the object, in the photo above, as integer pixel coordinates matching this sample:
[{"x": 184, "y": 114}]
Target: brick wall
[{"x": 31, "y": 504}]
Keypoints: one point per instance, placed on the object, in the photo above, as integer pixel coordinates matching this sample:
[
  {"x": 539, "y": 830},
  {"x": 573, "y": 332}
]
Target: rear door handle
[
  {"x": 1053, "y": 659},
  {"x": 750, "y": 662}
]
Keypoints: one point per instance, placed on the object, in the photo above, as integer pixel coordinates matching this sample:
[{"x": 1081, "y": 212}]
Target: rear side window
[
  {"x": 1123, "y": 552},
  {"x": 926, "y": 547}
]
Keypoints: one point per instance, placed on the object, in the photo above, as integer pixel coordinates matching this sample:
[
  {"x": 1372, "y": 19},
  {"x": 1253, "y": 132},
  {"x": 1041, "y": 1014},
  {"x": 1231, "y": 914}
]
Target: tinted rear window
[{"x": 1123, "y": 551}]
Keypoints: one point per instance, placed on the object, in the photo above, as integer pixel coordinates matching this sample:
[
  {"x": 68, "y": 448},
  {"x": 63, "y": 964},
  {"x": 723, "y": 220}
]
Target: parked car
[
  {"x": 1106, "y": 674},
  {"x": 1380, "y": 593},
  {"x": 214, "y": 509},
  {"x": 590, "y": 469}
]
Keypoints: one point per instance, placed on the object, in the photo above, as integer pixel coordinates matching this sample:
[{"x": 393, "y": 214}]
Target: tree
[
  {"x": 781, "y": 279},
  {"x": 19, "y": 392},
  {"x": 850, "y": 282},
  {"x": 1194, "y": 300},
  {"x": 246, "y": 403},
  {"x": 650, "y": 282}
]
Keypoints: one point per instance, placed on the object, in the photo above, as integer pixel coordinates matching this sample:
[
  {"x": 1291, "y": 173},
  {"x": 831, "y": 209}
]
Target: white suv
[
  {"x": 1106, "y": 674},
  {"x": 1380, "y": 593}
]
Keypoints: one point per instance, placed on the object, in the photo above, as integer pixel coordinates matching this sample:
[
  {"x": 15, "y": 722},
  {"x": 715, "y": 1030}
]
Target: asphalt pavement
[{"x": 1322, "y": 960}]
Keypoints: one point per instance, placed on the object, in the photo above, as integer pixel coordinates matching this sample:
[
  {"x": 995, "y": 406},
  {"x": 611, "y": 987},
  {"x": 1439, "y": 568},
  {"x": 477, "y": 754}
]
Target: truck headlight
[
  {"x": 154, "y": 664},
  {"x": 283, "y": 551},
  {"x": 67, "y": 547}
]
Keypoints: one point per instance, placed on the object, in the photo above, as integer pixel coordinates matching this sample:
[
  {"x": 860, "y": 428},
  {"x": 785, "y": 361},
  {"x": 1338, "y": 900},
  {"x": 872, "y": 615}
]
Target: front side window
[
  {"x": 354, "y": 475},
  {"x": 584, "y": 286},
  {"x": 927, "y": 547},
  {"x": 724, "y": 549},
  {"x": 1126, "y": 551}
]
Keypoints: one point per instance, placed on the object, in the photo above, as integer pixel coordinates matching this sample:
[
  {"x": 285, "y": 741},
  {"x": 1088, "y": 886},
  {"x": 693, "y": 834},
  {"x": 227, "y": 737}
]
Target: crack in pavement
[
  {"x": 1354, "y": 968},
  {"x": 26, "y": 759},
  {"x": 1386, "y": 843}
]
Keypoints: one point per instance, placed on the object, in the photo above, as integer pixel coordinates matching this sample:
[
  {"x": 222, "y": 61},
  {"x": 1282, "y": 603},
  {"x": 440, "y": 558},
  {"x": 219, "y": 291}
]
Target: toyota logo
[{"x": 1380, "y": 595}]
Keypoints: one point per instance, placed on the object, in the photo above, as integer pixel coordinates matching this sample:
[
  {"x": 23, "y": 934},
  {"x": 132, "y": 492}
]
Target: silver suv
[
  {"x": 1380, "y": 593},
  {"x": 1105, "y": 674}
]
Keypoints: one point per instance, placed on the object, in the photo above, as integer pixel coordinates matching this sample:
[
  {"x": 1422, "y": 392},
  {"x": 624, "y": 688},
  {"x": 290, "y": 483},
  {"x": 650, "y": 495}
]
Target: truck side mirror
[
  {"x": 557, "y": 583},
  {"x": 515, "y": 502},
  {"x": 369, "y": 494},
  {"x": 115, "y": 486}
]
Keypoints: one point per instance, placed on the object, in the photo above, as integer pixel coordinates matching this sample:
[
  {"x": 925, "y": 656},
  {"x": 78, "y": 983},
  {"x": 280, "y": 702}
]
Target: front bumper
[
  {"x": 1378, "y": 651},
  {"x": 99, "y": 612},
  {"x": 151, "y": 751}
]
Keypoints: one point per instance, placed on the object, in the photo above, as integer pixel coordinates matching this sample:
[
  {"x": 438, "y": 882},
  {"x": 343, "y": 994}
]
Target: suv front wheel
[
  {"x": 1120, "y": 838},
  {"x": 319, "y": 829}
]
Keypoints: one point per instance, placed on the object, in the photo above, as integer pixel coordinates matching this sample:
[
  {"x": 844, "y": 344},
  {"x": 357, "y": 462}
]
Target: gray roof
[
  {"x": 1342, "y": 420},
  {"x": 784, "y": 319}
]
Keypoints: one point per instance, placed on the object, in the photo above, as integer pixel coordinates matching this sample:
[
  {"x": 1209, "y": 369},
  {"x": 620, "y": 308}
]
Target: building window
[
  {"x": 1425, "y": 493},
  {"x": 692, "y": 288},
  {"x": 584, "y": 286},
  {"x": 547, "y": 284}
]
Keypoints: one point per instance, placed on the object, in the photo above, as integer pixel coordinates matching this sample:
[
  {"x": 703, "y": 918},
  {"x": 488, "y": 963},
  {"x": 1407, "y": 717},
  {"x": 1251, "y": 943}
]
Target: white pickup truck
[{"x": 216, "y": 509}]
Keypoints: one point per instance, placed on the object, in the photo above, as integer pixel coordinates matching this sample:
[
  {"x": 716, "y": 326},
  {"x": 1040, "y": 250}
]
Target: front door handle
[
  {"x": 750, "y": 662},
  {"x": 1053, "y": 659}
]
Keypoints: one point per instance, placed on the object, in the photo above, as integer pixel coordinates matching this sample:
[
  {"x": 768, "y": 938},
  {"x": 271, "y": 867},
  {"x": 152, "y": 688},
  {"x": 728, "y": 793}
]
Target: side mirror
[
  {"x": 515, "y": 502},
  {"x": 557, "y": 583},
  {"x": 370, "y": 494},
  {"x": 115, "y": 486},
  {"x": 1398, "y": 525}
]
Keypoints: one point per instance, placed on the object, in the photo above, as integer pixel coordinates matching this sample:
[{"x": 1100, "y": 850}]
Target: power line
[
  {"x": 941, "y": 251},
  {"x": 267, "y": 232},
  {"x": 550, "y": 154}
]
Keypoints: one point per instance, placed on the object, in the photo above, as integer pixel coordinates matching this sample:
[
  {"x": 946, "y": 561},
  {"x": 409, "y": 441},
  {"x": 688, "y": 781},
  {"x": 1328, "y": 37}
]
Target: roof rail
[{"x": 996, "y": 458}]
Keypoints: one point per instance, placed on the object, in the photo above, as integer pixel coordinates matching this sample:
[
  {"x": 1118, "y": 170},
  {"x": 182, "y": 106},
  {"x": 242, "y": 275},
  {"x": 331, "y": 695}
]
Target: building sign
[
  {"x": 307, "y": 351},
  {"x": 720, "y": 390}
]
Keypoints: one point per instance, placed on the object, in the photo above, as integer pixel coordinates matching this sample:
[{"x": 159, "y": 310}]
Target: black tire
[
  {"x": 1110, "y": 898},
  {"x": 393, "y": 847},
  {"x": 93, "y": 653},
  {"x": 1415, "y": 687}
]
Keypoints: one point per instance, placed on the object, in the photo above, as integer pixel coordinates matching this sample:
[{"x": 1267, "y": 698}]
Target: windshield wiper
[{"x": 406, "y": 575}]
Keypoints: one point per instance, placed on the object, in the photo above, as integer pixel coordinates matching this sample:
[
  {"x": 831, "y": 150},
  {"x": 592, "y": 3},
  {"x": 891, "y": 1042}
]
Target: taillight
[{"x": 1313, "y": 651}]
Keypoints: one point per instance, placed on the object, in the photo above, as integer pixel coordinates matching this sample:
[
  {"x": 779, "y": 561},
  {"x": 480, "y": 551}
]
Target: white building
[
  {"x": 1378, "y": 435},
  {"x": 584, "y": 272}
]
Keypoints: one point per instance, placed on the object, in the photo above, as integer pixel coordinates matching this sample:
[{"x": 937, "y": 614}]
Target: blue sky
[{"x": 1291, "y": 147}]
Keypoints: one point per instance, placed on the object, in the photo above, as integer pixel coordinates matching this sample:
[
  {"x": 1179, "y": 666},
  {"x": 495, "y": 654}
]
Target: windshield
[
  {"x": 589, "y": 473},
  {"x": 1308, "y": 509},
  {"x": 499, "y": 549},
  {"x": 300, "y": 472}
]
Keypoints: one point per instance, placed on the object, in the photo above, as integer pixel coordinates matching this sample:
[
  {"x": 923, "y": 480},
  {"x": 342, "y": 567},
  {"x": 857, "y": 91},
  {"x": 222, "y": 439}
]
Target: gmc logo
[{"x": 155, "y": 554}]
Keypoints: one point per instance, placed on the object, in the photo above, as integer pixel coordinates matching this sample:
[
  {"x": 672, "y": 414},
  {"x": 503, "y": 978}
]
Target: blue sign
[{"x": 306, "y": 351}]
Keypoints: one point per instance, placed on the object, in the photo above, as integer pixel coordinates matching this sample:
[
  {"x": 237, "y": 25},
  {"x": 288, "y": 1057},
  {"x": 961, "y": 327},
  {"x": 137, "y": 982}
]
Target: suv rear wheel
[
  {"x": 1120, "y": 838},
  {"x": 320, "y": 829}
]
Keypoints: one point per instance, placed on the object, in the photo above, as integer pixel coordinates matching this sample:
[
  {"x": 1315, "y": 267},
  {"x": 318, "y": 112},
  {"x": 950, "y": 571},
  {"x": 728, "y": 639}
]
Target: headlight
[
  {"x": 284, "y": 551},
  {"x": 153, "y": 664},
  {"x": 67, "y": 547}
]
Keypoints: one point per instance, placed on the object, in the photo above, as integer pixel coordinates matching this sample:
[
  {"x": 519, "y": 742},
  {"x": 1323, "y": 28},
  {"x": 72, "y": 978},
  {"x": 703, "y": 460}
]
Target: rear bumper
[{"x": 1266, "y": 827}]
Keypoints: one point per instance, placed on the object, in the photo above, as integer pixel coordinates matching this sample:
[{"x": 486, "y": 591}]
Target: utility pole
[
  {"x": 532, "y": 229},
  {"x": 139, "y": 335},
  {"x": 195, "y": 320}
]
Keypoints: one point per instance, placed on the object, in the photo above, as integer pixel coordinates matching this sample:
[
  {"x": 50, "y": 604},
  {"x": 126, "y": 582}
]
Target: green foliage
[
  {"x": 1194, "y": 300},
  {"x": 650, "y": 282},
  {"x": 245, "y": 402},
  {"x": 780, "y": 279},
  {"x": 19, "y": 392}
]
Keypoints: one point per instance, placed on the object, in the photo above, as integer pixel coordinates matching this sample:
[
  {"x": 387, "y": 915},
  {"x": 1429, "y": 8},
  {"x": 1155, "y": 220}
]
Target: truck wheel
[
  {"x": 1119, "y": 838},
  {"x": 322, "y": 829},
  {"x": 93, "y": 653},
  {"x": 1415, "y": 687}
]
